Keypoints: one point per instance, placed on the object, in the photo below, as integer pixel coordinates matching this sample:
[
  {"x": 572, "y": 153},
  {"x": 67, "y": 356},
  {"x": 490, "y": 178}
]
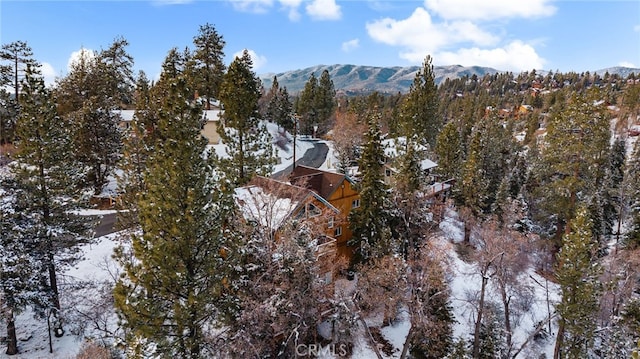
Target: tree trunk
[
  {"x": 12, "y": 339},
  {"x": 476, "y": 333},
  {"x": 506, "y": 300},
  {"x": 557, "y": 351},
  {"x": 53, "y": 282},
  {"x": 407, "y": 344}
]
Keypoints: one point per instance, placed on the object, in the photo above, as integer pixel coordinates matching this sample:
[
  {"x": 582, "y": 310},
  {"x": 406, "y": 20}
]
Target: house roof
[
  {"x": 270, "y": 202},
  {"x": 320, "y": 181}
]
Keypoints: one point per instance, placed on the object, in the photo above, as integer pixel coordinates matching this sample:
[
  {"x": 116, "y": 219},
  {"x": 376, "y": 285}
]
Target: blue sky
[{"x": 283, "y": 35}]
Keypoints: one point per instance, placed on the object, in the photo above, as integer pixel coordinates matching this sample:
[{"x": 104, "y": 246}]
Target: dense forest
[{"x": 544, "y": 174}]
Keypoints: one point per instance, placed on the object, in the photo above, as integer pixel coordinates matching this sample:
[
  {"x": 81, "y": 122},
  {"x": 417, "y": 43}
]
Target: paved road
[
  {"x": 106, "y": 225},
  {"x": 314, "y": 157}
]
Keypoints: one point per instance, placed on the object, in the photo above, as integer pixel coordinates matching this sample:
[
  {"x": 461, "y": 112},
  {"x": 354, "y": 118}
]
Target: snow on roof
[
  {"x": 263, "y": 207},
  {"x": 427, "y": 164}
]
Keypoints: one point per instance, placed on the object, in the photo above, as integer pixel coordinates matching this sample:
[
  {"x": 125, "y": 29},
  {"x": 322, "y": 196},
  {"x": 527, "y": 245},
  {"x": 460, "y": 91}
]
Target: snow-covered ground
[
  {"x": 98, "y": 269},
  {"x": 80, "y": 286}
]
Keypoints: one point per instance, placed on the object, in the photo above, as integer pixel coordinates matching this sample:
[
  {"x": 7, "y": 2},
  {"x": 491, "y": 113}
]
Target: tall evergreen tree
[
  {"x": 15, "y": 57},
  {"x": 209, "y": 65},
  {"x": 450, "y": 152},
  {"x": 18, "y": 55},
  {"x": 279, "y": 108},
  {"x": 611, "y": 194},
  {"x": 370, "y": 221},
  {"x": 324, "y": 102},
  {"x": 45, "y": 188},
  {"x": 632, "y": 189},
  {"x": 419, "y": 110},
  {"x": 410, "y": 207},
  {"x": 474, "y": 185},
  {"x": 574, "y": 157},
  {"x": 577, "y": 274},
  {"x": 117, "y": 72},
  {"x": 88, "y": 96},
  {"x": 20, "y": 273},
  {"x": 305, "y": 106},
  {"x": 248, "y": 142},
  {"x": 139, "y": 143},
  {"x": 171, "y": 296}
]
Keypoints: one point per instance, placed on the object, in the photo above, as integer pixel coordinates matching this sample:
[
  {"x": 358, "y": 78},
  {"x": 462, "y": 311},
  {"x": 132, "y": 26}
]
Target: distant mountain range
[{"x": 364, "y": 79}]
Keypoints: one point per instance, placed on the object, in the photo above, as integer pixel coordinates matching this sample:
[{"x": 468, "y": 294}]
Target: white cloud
[
  {"x": 316, "y": 9},
  {"x": 291, "y": 6},
  {"x": 258, "y": 60},
  {"x": 49, "y": 73},
  {"x": 253, "y": 6},
  {"x": 347, "y": 46},
  {"x": 636, "y": 28},
  {"x": 489, "y": 9},
  {"x": 457, "y": 40},
  {"x": 418, "y": 33},
  {"x": 515, "y": 56},
  {"x": 324, "y": 10},
  {"x": 75, "y": 56},
  {"x": 627, "y": 64}
]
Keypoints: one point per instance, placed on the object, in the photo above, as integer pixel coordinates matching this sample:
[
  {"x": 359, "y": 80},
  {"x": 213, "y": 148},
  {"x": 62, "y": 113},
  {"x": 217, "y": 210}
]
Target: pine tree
[
  {"x": 20, "y": 274},
  {"x": 611, "y": 194},
  {"x": 19, "y": 55},
  {"x": 45, "y": 189},
  {"x": 370, "y": 221},
  {"x": 474, "y": 183},
  {"x": 324, "y": 102},
  {"x": 88, "y": 96},
  {"x": 410, "y": 221},
  {"x": 139, "y": 143},
  {"x": 173, "y": 292},
  {"x": 419, "y": 110},
  {"x": 574, "y": 157},
  {"x": 98, "y": 140},
  {"x": 305, "y": 106},
  {"x": 577, "y": 274},
  {"x": 450, "y": 152},
  {"x": 209, "y": 67},
  {"x": 248, "y": 142},
  {"x": 15, "y": 57},
  {"x": 279, "y": 108},
  {"x": 632, "y": 187},
  {"x": 117, "y": 72}
]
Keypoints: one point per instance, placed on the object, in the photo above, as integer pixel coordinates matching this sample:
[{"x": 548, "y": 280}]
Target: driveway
[
  {"x": 106, "y": 225},
  {"x": 313, "y": 157}
]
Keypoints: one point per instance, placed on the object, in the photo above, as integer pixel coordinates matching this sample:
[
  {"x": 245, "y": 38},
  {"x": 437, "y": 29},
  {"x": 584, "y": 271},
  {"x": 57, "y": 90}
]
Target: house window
[
  {"x": 387, "y": 172},
  {"x": 355, "y": 203},
  {"x": 337, "y": 232},
  {"x": 330, "y": 223},
  {"x": 313, "y": 211}
]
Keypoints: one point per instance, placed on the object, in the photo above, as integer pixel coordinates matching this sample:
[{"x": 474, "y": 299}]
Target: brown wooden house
[
  {"x": 275, "y": 205},
  {"x": 339, "y": 190}
]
